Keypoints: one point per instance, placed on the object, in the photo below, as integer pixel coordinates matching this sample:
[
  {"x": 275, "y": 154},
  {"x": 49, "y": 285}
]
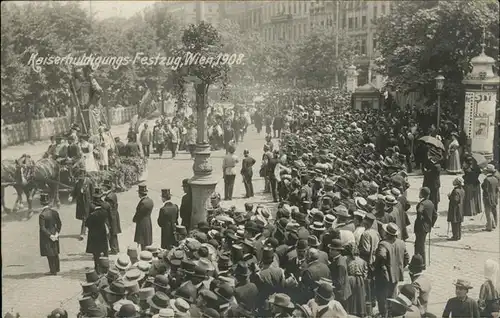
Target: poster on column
[{"x": 483, "y": 120}]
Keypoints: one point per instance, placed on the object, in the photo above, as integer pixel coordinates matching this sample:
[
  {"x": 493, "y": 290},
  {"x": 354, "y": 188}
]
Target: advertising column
[{"x": 481, "y": 95}]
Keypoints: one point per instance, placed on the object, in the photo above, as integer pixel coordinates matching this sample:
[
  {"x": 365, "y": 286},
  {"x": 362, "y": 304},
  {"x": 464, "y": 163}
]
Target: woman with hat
[
  {"x": 357, "y": 271},
  {"x": 456, "y": 208},
  {"x": 50, "y": 227},
  {"x": 461, "y": 305},
  {"x": 454, "y": 166},
  {"x": 88, "y": 154},
  {"x": 142, "y": 219}
]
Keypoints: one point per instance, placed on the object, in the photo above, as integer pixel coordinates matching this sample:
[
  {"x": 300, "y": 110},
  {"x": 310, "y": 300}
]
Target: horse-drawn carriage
[{"x": 58, "y": 177}]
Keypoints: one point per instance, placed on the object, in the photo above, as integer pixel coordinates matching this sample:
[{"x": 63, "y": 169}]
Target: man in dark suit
[
  {"x": 82, "y": 193},
  {"x": 167, "y": 220},
  {"x": 142, "y": 219},
  {"x": 338, "y": 269},
  {"x": 270, "y": 279},
  {"x": 247, "y": 173},
  {"x": 113, "y": 222},
  {"x": 97, "y": 241},
  {"x": 313, "y": 273},
  {"x": 426, "y": 217},
  {"x": 432, "y": 171},
  {"x": 50, "y": 227},
  {"x": 186, "y": 205},
  {"x": 387, "y": 266}
]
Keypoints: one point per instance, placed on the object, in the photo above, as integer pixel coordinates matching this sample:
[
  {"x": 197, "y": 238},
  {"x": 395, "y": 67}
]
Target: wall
[{"x": 42, "y": 129}]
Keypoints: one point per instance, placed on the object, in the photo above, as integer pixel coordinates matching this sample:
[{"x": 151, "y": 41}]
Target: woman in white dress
[{"x": 88, "y": 154}]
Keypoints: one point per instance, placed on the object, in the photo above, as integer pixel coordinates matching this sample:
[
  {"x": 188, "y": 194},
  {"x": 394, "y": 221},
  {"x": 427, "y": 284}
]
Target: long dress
[
  {"x": 88, "y": 157},
  {"x": 454, "y": 166},
  {"x": 472, "y": 200},
  {"x": 357, "y": 270}
]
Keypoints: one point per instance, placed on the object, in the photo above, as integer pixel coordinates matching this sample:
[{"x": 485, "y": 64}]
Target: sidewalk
[{"x": 38, "y": 148}]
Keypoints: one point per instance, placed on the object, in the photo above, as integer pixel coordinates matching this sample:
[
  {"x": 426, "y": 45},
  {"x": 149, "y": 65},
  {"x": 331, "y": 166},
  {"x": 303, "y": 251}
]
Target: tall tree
[
  {"x": 418, "y": 38},
  {"x": 316, "y": 62}
]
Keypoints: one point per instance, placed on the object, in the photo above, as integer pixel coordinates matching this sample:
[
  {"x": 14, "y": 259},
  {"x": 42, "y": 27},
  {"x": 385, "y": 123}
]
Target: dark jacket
[
  {"x": 114, "y": 217},
  {"x": 167, "y": 220},
  {"x": 432, "y": 181},
  {"x": 97, "y": 241},
  {"x": 456, "y": 206},
  {"x": 82, "y": 194},
  {"x": 459, "y": 309},
  {"x": 338, "y": 269},
  {"x": 50, "y": 224},
  {"x": 426, "y": 217},
  {"x": 142, "y": 219},
  {"x": 186, "y": 210}
]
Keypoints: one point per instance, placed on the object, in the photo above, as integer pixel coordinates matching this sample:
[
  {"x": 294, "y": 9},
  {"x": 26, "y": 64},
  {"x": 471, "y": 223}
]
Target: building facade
[
  {"x": 292, "y": 20},
  {"x": 189, "y": 11}
]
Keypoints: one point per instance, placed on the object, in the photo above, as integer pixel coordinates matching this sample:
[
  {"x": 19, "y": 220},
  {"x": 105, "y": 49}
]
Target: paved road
[
  {"x": 32, "y": 294},
  {"x": 28, "y": 291}
]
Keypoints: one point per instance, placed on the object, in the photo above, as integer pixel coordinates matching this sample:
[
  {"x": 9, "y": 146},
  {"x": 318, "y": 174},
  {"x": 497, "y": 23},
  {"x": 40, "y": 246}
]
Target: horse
[
  {"x": 15, "y": 175},
  {"x": 47, "y": 176}
]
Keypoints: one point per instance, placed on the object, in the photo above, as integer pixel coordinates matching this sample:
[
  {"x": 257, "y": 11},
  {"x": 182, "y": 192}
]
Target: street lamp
[{"x": 439, "y": 87}]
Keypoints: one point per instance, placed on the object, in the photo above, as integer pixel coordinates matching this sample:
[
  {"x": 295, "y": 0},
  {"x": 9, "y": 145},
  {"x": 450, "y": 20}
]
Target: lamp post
[{"x": 439, "y": 86}]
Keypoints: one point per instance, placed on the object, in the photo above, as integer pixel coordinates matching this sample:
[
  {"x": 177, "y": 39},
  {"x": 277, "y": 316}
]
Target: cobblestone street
[{"x": 29, "y": 292}]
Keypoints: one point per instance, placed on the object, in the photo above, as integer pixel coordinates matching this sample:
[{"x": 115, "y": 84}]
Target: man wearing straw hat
[{"x": 461, "y": 305}]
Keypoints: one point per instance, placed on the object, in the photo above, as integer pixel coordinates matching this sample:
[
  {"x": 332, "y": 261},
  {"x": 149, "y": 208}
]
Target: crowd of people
[{"x": 335, "y": 247}]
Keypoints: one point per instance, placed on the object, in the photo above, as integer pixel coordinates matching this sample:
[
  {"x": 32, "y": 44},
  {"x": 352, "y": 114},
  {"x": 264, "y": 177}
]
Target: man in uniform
[
  {"x": 167, "y": 220},
  {"x": 50, "y": 227}
]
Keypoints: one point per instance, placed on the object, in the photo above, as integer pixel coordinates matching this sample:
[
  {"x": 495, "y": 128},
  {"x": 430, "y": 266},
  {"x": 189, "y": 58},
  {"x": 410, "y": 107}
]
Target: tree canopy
[{"x": 419, "y": 38}]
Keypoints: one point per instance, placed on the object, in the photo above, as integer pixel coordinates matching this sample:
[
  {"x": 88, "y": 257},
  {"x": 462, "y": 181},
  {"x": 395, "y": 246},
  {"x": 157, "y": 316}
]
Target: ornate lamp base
[{"x": 202, "y": 184}]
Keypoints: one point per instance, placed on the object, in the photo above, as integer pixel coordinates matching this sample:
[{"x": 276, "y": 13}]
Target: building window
[
  {"x": 363, "y": 21},
  {"x": 356, "y": 24},
  {"x": 363, "y": 46},
  {"x": 351, "y": 23},
  {"x": 295, "y": 8},
  {"x": 375, "y": 44},
  {"x": 375, "y": 12},
  {"x": 383, "y": 9},
  {"x": 322, "y": 23}
]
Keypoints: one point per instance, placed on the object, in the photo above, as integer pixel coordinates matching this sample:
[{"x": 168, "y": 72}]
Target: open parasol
[
  {"x": 480, "y": 160},
  {"x": 433, "y": 141}
]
